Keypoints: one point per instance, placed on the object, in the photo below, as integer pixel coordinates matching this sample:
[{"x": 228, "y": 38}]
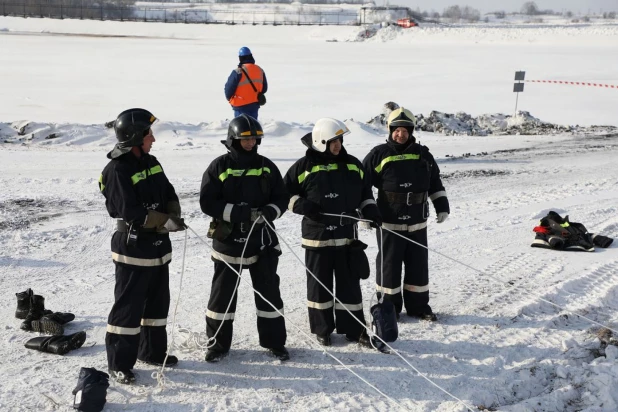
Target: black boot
[
  {"x": 23, "y": 303},
  {"x": 362, "y": 340},
  {"x": 58, "y": 345},
  {"x": 51, "y": 324},
  {"x": 324, "y": 340},
  {"x": 280, "y": 353},
  {"x": 214, "y": 355},
  {"x": 36, "y": 312},
  {"x": 425, "y": 314},
  {"x": 171, "y": 361},
  {"x": 125, "y": 377}
]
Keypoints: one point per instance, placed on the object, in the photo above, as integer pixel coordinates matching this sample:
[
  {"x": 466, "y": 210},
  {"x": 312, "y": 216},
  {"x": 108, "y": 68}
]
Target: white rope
[
  {"x": 369, "y": 331},
  {"x": 381, "y": 299},
  {"x": 299, "y": 329},
  {"x": 160, "y": 376},
  {"x": 213, "y": 338}
]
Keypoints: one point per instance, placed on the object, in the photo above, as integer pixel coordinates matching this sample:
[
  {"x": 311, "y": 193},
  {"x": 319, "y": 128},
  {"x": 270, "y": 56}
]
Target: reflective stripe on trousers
[{"x": 140, "y": 261}]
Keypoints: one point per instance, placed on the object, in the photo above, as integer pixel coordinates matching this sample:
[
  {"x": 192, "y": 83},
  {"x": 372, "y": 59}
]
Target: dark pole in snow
[{"x": 518, "y": 87}]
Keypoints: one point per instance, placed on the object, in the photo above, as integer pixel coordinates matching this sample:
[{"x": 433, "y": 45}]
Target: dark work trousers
[
  {"x": 250, "y": 109},
  {"x": 416, "y": 279},
  {"x": 270, "y": 325},
  {"x": 320, "y": 302},
  {"x": 136, "y": 326}
]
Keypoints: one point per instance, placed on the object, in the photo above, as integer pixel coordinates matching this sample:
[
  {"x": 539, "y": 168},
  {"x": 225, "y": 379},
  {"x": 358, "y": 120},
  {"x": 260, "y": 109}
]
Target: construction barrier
[{"x": 608, "y": 86}]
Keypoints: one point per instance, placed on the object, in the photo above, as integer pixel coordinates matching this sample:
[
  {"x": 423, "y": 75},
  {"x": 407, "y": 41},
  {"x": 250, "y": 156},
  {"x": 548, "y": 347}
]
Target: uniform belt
[
  {"x": 122, "y": 226},
  {"x": 409, "y": 198}
]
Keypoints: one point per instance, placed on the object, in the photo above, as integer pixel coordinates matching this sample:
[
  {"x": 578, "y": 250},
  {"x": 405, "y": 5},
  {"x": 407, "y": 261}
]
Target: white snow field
[{"x": 498, "y": 345}]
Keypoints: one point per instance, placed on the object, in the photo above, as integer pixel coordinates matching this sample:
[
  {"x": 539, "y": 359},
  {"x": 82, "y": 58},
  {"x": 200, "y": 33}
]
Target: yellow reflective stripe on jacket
[
  {"x": 239, "y": 172},
  {"x": 137, "y": 177},
  {"x": 356, "y": 169},
  {"x": 565, "y": 224},
  {"x": 328, "y": 168},
  {"x": 395, "y": 159},
  {"x": 101, "y": 185}
]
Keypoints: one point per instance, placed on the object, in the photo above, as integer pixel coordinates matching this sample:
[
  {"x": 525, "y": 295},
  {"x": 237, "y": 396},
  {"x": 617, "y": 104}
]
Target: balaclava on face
[{"x": 401, "y": 146}]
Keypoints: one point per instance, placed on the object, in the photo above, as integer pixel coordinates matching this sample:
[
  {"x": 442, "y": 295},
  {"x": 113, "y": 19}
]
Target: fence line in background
[{"x": 171, "y": 15}]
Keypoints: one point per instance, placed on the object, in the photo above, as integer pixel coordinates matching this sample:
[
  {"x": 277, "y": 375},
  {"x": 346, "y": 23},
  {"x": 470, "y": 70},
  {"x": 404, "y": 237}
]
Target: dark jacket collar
[
  {"x": 401, "y": 147},
  {"x": 241, "y": 156},
  {"x": 327, "y": 157}
]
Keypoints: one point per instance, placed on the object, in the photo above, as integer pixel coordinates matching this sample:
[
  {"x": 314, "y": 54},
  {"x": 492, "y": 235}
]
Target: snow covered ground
[{"x": 498, "y": 344}]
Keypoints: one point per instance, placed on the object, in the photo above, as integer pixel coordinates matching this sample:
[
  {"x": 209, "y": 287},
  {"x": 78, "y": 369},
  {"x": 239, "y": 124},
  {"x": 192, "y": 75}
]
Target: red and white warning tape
[{"x": 608, "y": 86}]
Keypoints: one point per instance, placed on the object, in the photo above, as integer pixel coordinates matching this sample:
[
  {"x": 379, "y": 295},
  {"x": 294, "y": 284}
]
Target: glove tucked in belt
[
  {"x": 409, "y": 198},
  {"x": 123, "y": 227}
]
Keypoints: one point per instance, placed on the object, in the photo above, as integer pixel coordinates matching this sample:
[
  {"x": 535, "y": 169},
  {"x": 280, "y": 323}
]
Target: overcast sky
[{"x": 485, "y": 6}]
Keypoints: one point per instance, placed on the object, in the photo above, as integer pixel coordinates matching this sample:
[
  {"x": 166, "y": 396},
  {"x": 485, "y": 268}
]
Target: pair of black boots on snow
[
  {"x": 214, "y": 355},
  {"x": 363, "y": 340},
  {"x": 31, "y": 308}
]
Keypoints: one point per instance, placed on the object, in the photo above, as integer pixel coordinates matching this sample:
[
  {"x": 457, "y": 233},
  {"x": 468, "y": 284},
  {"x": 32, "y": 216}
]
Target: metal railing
[{"x": 203, "y": 15}]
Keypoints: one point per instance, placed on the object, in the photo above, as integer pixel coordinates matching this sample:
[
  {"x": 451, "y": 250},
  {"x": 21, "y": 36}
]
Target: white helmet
[{"x": 324, "y": 131}]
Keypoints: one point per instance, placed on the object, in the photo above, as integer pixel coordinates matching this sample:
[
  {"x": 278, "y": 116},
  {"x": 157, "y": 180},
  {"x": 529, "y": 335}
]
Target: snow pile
[
  {"x": 176, "y": 134},
  {"x": 168, "y": 134},
  {"x": 464, "y": 124},
  {"x": 484, "y": 34},
  {"x": 24, "y": 131}
]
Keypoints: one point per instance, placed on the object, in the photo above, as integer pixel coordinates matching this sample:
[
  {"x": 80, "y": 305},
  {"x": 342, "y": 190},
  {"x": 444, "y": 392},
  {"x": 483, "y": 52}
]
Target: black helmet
[
  {"x": 131, "y": 126},
  {"x": 244, "y": 127}
]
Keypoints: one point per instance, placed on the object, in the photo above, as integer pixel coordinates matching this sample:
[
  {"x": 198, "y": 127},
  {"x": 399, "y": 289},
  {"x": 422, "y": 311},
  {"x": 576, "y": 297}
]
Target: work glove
[
  {"x": 175, "y": 224},
  {"x": 372, "y": 213},
  {"x": 442, "y": 216},
  {"x": 173, "y": 208},
  {"x": 268, "y": 212},
  {"x": 255, "y": 214},
  {"x": 602, "y": 241},
  {"x": 155, "y": 220},
  {"x": 376, "y": 222}
]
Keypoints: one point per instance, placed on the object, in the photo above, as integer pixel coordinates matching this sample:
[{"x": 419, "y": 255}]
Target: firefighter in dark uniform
[
  {"x": 241, "y": 190},
  {"x": 329, "y": 180},
  {"x": 406, "y": 176},
  {"x": 144, "y": 202}
]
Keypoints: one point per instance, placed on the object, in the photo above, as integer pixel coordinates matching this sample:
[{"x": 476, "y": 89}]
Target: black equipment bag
[
  {"x": 91, "y": 390},
  {"x": 384, "y": 321}
]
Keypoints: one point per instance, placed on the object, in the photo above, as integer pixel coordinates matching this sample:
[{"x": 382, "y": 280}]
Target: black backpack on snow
[{"x": 91, "y": 390}]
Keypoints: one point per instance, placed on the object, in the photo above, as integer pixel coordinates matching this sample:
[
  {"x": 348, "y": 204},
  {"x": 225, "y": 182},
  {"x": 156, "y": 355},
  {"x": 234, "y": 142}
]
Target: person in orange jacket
[{"x": 238, "y": 89}]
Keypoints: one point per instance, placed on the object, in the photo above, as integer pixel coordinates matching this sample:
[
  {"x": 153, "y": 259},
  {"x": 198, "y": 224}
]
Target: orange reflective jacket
[{"x": 244, "y": 92}]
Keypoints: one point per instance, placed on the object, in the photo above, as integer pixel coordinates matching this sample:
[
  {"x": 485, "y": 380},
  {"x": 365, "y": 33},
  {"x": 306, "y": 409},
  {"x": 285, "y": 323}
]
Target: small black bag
[
  {"x": 261, "y": 97},
  {"x": 357, "y": 259},
  {"x": 267, "y": 263},
  {"x": 91, "y": 390},
  {"x": 384, "y": 321}
]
